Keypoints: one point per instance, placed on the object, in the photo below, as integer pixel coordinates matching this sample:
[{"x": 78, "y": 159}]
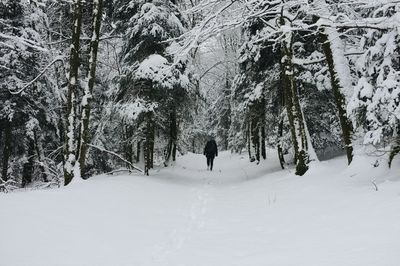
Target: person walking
[{"x": 210, "y": 151}]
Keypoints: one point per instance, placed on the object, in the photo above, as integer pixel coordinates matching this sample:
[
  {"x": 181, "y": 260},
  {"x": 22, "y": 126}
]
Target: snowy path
[
  {"x": 239, "y": 214},
  {"x": 191, "y": 169}
]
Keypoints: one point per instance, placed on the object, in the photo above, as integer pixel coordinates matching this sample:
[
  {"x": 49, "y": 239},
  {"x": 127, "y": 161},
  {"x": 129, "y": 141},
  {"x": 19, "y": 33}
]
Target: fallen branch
[
  {"x": 119, "y": 170},
  {"x": 116, "y": 155},
  {"x": 6, "y": 186}
]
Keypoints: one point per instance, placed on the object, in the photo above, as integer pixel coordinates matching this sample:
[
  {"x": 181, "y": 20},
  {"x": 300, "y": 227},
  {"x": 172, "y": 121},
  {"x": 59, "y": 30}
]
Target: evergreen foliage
[{"x": 142, "y": 81}]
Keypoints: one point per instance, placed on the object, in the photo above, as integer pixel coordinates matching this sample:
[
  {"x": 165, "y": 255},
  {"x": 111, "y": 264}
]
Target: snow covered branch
[
  {"x": 116, "y": 155},
  {"x": 24, "y": 41},
  {"x": 37, "y": 77}
]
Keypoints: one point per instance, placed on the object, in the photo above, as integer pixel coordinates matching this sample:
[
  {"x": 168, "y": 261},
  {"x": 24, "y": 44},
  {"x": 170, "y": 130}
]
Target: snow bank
[{"x": 240, "y": 214}]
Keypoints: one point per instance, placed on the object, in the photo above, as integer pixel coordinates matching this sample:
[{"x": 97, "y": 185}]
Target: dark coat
[{"x": 211, "y": 150}]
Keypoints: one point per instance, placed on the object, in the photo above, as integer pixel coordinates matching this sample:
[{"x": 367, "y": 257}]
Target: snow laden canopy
[
  {"x": 377, "y": 92},
  {"x": 146, "y": 58},
  {"x": 153, "y": 81},
  {"x": 147, "y": 79}
]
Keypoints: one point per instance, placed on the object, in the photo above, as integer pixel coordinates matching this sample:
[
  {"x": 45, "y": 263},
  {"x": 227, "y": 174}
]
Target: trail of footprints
[{"x": 179, "y": 236}]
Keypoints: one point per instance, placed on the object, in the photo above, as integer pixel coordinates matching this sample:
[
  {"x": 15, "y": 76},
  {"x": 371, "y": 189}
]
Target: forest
[
  {"x": 91, "y": 87},
  {"x": 109, "y": 111}
]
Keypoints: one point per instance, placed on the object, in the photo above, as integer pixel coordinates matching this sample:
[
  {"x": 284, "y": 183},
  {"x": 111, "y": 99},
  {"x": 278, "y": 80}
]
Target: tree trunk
[
  {"x": 138, "y": 151},
  {"x": 262, "y": 128},
  {"x": 128, "y": 146},
  {"x": 263, "y": 148},
  {"x": 338, "y": 69},
  {"x": 281, "y": 121},
  {"x": 174, "y": 153},
  {"x": 70, "y": 139},
  {"x": 395, "y": 150},
  {"x": 28, "y": 166},
  {"x": 40, "y": 155},
  {"x": 173, "y": 132},
  {"x": 255, "y": 134},
  {"x": 6, "y": 149},
  {"x": 340, "y": 100},
  {"x": 280, "y": 150},
  {"x": 88, "y": 92},
  {"x": 149, "y": 143},
  {"x": 248, "y": 137},
  {"x": 395, "y": 147},
  {"x": 295, "y": 117},
  {"x": 257, "y": 129}
]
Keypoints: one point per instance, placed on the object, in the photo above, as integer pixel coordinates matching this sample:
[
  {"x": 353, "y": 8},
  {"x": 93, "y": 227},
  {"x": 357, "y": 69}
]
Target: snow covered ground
[{"x": 240, "y": 214}]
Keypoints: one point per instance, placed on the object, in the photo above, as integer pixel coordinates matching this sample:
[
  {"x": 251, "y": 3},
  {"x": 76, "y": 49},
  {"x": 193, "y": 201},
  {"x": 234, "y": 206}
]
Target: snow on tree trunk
[
  {"x": 70, "y": 139},
  {"x": 338, "y": 69},
  {"x": 86, "y": 100},
  {"x": 294, "y": 112}
]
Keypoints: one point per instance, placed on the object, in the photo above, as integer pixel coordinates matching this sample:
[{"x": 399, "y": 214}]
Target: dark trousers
[{"x": 210, "y": 162}]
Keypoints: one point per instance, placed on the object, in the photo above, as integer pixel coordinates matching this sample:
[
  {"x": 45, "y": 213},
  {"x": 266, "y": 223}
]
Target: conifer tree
[
  {"x": 150, "y": 80},
  {"x": 25, "y": 112},
  {"x": 376, "y": 100}
]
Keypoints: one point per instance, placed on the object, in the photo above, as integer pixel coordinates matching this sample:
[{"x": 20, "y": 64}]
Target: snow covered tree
[
  {"x": 338, "y": 66},
  {"x": 70, "y": 166},
  {"x": 257, "y": 63},
  {"x": 25, "y": 94},
  {"x": 150, "y": 79},
  {"x": 376, "y": 98},
  {"x": 84, "y": 140},
  {"x": 77, "y": 121},
  {"x": 279, "y": 30},
  {"x": 292, "y": 102}
]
